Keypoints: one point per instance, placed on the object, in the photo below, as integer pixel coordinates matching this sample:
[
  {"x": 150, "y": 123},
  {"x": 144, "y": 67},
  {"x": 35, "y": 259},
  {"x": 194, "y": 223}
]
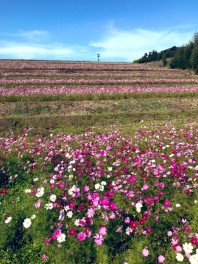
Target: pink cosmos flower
[
  {"x": 44, "y": 256},
  {"x": 56, "y": 234},
  {"x": 145, "y": 252},
  {"x": 86, "y": 188},
  {"x": 103, "y": 231},
  {"x": 167, "y": 203},
  {"x": 187, "y": 228},
  {"x": 194, "y": 241},
  {"x": 61, "y": 185},
  {"x": 127, "y": 220},
  {"x": 134, "y": 224},
  {"x": 104, "y": 200},
  {"x": 81, "y": 236},
  {"x": 98, "y": 239},
  {"x": 72, "y": 231},
  {"x": 145, "y": 187},
  {"x": 178, "y": 249},
  {"x": 149, "y": 229},
  {"x": 47, "y": 241},
  {"x": 161, "y": 259},
  {"x": 90, "y": 212},
  {"x": 37, "y": 204},
  {"x": 112, "y": 206}
]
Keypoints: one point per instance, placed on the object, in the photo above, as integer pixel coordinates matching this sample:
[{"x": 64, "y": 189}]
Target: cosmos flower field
[
  {"x": 98, "y": 197},
  {"x": 50, "y": 78}
]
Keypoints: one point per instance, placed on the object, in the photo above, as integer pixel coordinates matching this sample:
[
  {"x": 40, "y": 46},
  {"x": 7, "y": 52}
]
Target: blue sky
[{"x": 120, "y": 30}]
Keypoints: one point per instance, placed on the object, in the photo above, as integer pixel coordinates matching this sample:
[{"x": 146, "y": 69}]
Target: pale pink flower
[
  {"x": 161, "y": 259},
  {"x": 169, "y": 233},
  {"x": 90, "y": 212},
  {"x": 178, "y": 249},
  {"x": 145, "y": 252},
  {"x": 44, "y": 256},
  {"x": 98, "y": 239},
  {"x": 103, "y": 231}
]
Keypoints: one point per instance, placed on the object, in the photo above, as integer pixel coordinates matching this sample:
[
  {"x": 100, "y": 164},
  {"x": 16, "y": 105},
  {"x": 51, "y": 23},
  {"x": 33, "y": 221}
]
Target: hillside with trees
[{"x": 185, "y": 57}]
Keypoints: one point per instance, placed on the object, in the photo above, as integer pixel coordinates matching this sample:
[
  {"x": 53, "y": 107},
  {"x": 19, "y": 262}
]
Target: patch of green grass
[
  {"x": 80, "y": 122},
  {"x": 27, "y": 110},
  {"x": 85, "y": 97}
]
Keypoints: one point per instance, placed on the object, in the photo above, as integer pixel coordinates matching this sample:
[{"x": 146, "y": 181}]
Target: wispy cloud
[
  {"x": 38, "y": 51},
  {"x": 34, "y": 35},
  {"x": 129, "y": 45}
]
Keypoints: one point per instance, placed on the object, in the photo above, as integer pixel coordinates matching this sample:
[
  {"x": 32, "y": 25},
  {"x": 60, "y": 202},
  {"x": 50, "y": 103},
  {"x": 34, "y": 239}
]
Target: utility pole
[{"x": 98, "y": 57}]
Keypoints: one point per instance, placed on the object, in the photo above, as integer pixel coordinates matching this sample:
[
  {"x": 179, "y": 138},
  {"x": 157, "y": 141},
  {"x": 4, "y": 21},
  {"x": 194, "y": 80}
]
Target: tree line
[{"x": 185, "y": 57}]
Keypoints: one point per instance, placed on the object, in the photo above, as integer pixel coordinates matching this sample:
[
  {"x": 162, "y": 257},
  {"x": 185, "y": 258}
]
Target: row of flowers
[
  {"x": 91, "y": 73},
  {"x": 96, "y": 89},
  {"x": 4, "y": 81},
  {"x": 33, "y": 64}
]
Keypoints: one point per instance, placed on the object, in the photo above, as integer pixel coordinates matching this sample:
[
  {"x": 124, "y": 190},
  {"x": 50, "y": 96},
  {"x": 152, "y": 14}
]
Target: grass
[
  {"x": 79, "y": 115},
  {"x": 84, "y": 97}
]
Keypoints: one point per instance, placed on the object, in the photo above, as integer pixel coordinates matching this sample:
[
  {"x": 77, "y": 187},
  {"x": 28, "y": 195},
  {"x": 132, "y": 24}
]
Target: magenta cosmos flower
[
  {"x": 134, "y": 224},
  {"x": 167, "y": 203},
  {"x": 81, "y": 236}
]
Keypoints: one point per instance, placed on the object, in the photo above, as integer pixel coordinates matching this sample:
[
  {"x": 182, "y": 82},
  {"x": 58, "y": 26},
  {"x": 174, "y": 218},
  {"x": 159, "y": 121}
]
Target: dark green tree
[
  {"x": 194, "y": 59},
  {"x": 164, "y": 60},
  {"x": 187, "y": 55}
]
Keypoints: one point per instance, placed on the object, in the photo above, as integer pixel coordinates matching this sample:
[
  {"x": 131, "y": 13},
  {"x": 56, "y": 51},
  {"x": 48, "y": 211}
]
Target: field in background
[{"x": 77, "y": 95}]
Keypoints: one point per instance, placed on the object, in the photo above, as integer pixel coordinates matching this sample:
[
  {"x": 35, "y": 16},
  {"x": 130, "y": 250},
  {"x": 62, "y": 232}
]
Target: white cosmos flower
[
  {"x": 61, "y": 238},
  {"x": 27, "y": 191},
  {"x": 48, "y": 206},
  {"x": 40, "y": 192},
  {"x": 97, "y": 186},
  {"x": 69, "y": 214},
  {"x": 77, "y": 222},
  {"x": 8, "y": 219},
  {"x": 193, "y": 259},
  {"x": 101, "y": 188},
  {"x": 27, "y": 222},
  {"x": 179, "y": 257},
  {"x": 71, "y": 190},
  {"x": 103, "y": 183},
  {"x": 188, "y": 247},
  {"x": 53, "y": 197},
  {"x": 67, "y": 155},
  {"x": 138, "y": 207},
  {"x": 177, "y": 205},
  {"x": 35, "y": 179}
]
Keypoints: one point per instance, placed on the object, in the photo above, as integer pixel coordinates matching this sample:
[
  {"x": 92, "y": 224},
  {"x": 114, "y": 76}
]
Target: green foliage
[
  {"x": 185, "y": 57},
  {"x": 164, "y": 60},
  {"x": 156, "y": 56},
  {"x": 194, "y": 59}
]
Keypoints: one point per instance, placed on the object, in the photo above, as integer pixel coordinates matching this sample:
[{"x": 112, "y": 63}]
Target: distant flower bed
[
  {"x": 95, "y": 89},
  {"x": 106, "y": 190}
]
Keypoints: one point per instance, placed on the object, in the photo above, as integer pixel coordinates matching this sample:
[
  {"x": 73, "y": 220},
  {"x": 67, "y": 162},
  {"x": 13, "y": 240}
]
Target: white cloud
[
  {"x": 130, "y": 45},
  {"x": 34, "y": 35},
  {"x": 35, "y": 51}
]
